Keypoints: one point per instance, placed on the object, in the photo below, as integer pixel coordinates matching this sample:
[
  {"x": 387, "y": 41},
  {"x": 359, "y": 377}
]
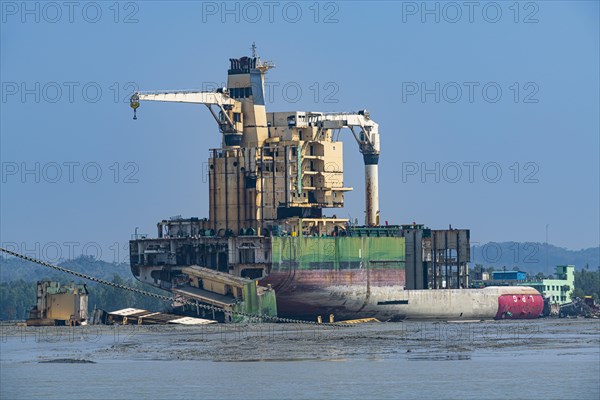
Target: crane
[
  {"x": 368, "y": 144},
  {"x": 230, "y": 121},
  {"x": 228, "y": 107}
]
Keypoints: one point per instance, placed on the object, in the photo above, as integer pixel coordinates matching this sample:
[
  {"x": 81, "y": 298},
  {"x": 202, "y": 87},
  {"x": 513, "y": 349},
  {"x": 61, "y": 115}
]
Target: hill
[
  {"x": 13, "y": 269},
  {"x": 533, "y": 257}
]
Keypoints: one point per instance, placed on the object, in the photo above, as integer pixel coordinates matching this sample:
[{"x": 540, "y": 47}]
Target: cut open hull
[{"x": 350, "y": 295}]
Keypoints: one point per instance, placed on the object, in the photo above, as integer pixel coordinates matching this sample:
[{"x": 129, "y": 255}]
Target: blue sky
[{"x": 465, "y": 93}]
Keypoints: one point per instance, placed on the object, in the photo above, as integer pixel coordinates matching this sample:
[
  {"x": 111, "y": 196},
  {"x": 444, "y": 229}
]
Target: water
[{"x": 549, "y": 359}]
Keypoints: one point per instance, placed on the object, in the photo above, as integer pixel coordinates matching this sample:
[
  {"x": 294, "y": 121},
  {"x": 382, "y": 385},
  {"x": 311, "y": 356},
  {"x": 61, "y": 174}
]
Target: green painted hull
[{"x": 337, "y": 253}]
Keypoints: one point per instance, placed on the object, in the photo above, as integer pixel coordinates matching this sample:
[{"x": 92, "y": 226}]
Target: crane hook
[{"x": 134, "y": 103}]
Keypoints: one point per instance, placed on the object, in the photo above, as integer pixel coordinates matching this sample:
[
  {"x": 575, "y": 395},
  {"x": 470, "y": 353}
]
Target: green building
[{"x": 558, "y": 290}]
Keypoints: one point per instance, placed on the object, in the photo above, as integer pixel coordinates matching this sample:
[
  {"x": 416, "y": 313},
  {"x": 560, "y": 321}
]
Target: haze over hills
[
  {"x": 533, "y": 257},
  {"x": 13, "y": 269},
  {"x": 529, "y": 257}
]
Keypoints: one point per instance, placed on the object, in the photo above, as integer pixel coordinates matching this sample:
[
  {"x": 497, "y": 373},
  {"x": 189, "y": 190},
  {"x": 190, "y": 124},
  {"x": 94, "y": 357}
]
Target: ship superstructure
[
  {"x": 269, "y": 183},
  {"x": 277, "y": 168}
]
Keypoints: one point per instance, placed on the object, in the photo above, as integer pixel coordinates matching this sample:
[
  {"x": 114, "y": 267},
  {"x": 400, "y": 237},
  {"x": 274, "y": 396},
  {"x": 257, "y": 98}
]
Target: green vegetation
[
  {"x": 587, "y": 283},
  {"x": 16, "y": 299}
]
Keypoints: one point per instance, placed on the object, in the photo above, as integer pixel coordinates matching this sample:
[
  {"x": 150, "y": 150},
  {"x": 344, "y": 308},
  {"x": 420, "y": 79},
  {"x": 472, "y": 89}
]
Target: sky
[{"x": 488, "y": 112}]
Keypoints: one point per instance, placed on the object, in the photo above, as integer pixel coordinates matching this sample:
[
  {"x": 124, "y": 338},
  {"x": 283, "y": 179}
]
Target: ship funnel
[{"x": 371, "y": 188}]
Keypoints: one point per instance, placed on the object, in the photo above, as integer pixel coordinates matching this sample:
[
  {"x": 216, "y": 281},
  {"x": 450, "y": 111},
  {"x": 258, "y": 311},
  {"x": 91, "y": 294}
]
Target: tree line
[{"x": 587, "y": 283}]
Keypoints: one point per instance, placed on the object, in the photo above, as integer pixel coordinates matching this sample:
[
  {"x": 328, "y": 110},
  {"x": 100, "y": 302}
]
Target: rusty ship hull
[
  {"x": 314, "y": 293},
  {"x": 348, "y": 277}
]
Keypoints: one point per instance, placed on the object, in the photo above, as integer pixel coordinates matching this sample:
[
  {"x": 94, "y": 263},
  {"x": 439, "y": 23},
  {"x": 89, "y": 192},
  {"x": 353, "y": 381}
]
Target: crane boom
[
  {"x": 219, "y": 98},
  {"x": 368, "y": 144},
  {"x": 367, "y": 138},
  {"x": 207, "y": 98}
]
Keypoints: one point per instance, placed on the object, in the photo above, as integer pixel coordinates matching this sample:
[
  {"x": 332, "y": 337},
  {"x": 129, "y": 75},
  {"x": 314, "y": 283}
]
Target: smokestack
[{"x": 371, "y": 189}]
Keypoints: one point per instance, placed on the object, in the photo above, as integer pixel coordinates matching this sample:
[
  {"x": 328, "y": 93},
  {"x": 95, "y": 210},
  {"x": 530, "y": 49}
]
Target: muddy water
[{"x": 550, "y": 359}]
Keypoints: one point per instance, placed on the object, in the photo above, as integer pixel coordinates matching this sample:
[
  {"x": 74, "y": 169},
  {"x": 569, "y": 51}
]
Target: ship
[{"x": 268, "y": 247}]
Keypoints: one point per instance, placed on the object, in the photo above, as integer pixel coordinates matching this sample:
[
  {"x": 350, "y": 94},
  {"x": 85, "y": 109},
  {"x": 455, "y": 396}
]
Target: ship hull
[
  {"x": 349, "y": 277},
  {"x": 375, "y": 293}
]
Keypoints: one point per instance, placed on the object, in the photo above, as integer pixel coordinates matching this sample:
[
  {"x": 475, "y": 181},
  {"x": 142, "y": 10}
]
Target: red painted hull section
[{"x": 520, "y": 306}]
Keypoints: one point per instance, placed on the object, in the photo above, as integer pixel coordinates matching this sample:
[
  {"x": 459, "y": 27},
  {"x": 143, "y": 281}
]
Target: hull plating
[
  {"x": 520, "y": 306},
  {"x": 380, "y": 293}
]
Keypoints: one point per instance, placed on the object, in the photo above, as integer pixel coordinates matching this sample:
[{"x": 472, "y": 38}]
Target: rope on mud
[{"x": 155, "y": 295}]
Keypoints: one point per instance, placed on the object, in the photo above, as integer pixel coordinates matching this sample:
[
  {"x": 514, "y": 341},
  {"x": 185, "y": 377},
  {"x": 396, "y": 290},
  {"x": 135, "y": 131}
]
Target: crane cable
[{"x": 155, "y": 295}]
